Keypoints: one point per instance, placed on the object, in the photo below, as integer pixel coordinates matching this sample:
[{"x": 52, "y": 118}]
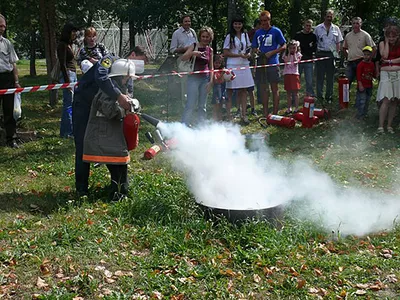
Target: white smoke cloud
[{"x": 222, "y": 173}]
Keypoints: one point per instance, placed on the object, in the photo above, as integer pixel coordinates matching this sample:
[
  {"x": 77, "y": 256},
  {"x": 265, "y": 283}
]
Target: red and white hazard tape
[
  {"x": 174, "y": 73},
  {"x": 232, "y": 69},
  {"x": 38, "y": 88}
]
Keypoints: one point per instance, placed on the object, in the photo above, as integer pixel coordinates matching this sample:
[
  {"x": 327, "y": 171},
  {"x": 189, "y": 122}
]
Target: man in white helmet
[
  {"x": 104, "y": 140},
  {"x": 95, "y": 79}
]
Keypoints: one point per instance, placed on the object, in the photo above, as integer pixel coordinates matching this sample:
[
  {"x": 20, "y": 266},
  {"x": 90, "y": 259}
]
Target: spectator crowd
[{"x": 105, "y": 91}]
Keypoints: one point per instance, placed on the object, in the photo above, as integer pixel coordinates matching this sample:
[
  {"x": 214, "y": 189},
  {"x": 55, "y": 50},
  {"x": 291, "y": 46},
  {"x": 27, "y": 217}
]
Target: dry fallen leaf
[
  {"x": 293, "y": 272},
  {"x": 40, "y": 283},
  {"x": 300, "y": 283},
  {"x": 360, "y": 292},
  {"x": 156, "y": 295},
  {"x": 230, "y": 285},
  {"x": 108, "y": 274},
  {"x": 256, "y": 278},
  {"x": 318, "y": 272},
  {"x": 44, "y": 269},
  {"x": 391, "y": 278},
  {"x": 362, "y": 285},
  {"x": 386, "y": 253}
]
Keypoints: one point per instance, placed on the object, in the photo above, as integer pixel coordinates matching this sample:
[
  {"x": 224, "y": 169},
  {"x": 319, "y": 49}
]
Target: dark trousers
[
  {"x": 119, "y": 178},
  {"x": 10, "y": 125},
  {"x": 325, "y": 68},
  {"x": 351, "y": 70},
  {"x": 80, "y": 118}
]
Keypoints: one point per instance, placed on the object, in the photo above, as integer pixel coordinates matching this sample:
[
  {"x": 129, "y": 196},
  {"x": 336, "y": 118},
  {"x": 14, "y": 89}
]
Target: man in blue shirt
[
  {"x": 329, "y": 39},
  {"x": 268, "y": 42},
  {"x": 94, "y": 79}
]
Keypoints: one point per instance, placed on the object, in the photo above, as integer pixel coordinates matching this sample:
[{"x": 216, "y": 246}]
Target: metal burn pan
[{"x": 273, "y": 215}]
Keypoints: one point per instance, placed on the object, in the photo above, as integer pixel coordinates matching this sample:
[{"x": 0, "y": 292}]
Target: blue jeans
[
  {"x": 351, "y": 70},
  {"x": 325, "y": 68},
  {"x": 66, "y": 116},
  {"x": 196, "y": 94},
  {"x": 362, "y": 102},
  {"x": 308, "y": 76}
]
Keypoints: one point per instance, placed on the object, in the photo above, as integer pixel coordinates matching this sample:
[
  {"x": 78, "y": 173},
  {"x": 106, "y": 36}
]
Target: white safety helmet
[
  {"x": 228, "y": 75},
  {"x": 85, "y": 65},
  {"x": 122, "y": 67}
]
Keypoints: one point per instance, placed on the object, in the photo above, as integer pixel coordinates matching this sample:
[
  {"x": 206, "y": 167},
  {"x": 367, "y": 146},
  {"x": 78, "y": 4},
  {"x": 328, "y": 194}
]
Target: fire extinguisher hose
[{"x": 263, "y": 122}]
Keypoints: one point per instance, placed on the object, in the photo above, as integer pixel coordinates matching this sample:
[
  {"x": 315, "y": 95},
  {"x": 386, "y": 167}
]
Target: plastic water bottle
[{"x": 69, "y": 111}]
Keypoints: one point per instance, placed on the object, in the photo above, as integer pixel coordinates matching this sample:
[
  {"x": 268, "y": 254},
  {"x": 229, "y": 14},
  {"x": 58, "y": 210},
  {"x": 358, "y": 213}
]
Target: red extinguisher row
[{"x": 309, "y": 116}]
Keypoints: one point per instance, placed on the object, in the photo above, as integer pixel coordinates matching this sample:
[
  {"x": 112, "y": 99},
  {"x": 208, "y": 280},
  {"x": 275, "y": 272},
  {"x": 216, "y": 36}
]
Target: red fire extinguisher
[
  {"x": 300, "y": 116},
  {"x": 131, "y": 130},
  {"x": 321, "y": 113},
  {"x": 152, "y": 151},
  {"x": 308, "y": 111},
  {"x": 281, "y": 121},
  {"x": 343, "y": 91}
]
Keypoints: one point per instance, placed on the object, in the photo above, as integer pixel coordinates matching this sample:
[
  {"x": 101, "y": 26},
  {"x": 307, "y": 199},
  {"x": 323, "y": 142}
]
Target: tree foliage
[{"x": 27, "y": 30}]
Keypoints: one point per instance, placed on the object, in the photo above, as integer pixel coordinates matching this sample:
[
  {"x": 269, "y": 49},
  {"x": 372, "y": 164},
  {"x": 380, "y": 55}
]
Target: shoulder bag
[{"x": 187, "y": 65}]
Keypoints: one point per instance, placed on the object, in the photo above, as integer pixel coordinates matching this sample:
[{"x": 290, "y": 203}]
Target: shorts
[
  {"x": 291, "y": 82},
  {"x": 266, "y": 74}
]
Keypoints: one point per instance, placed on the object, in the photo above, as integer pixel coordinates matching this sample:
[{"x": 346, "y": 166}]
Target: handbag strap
[{"x": 195, "y": 48}]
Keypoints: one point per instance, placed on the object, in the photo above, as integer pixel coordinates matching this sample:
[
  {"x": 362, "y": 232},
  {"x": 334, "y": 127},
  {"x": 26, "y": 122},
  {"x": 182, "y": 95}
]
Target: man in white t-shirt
[{"x": 353, "y": 44}]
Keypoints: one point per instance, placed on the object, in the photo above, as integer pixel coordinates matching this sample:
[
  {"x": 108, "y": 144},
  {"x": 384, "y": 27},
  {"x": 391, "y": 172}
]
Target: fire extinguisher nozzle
[{"x": 153, "y": 121}]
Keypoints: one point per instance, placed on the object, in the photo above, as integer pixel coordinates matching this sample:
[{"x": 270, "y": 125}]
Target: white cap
[
  {"x": 122, "y": 67},
  {"x": 86, "y": 65}
]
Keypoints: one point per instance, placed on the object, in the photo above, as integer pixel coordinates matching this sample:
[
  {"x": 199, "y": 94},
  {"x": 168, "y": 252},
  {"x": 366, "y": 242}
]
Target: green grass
[{"x": 156, "y": 243}]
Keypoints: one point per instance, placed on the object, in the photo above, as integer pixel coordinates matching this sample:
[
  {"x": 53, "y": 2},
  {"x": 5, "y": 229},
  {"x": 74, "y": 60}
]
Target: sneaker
[
  {"x": 380, "y": 130},
  {"x": 253, "y": 112},
  {"x": 245, "y": 120},
  {"x": 12, "y": 144},
  {"x": 390, "y": 130}
]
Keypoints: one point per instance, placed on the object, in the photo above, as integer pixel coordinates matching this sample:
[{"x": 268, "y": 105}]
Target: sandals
[
  {"x": 390, "y": 130},
  {"x": 381, "y": 130}
]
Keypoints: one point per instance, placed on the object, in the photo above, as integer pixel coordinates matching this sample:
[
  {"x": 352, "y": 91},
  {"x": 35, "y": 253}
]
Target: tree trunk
[
  {"x": 32, "y": 59},
  {"x": 214, "y": 20},
  {"x": 324, "y": 7},
  {"x": 47, "y": 10},
  {"x": 121, "y": 35},
  {"x": 132, "y": 34},
  {"x": 231, "y": 12},
  {"x": 294, "y": 17}
]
